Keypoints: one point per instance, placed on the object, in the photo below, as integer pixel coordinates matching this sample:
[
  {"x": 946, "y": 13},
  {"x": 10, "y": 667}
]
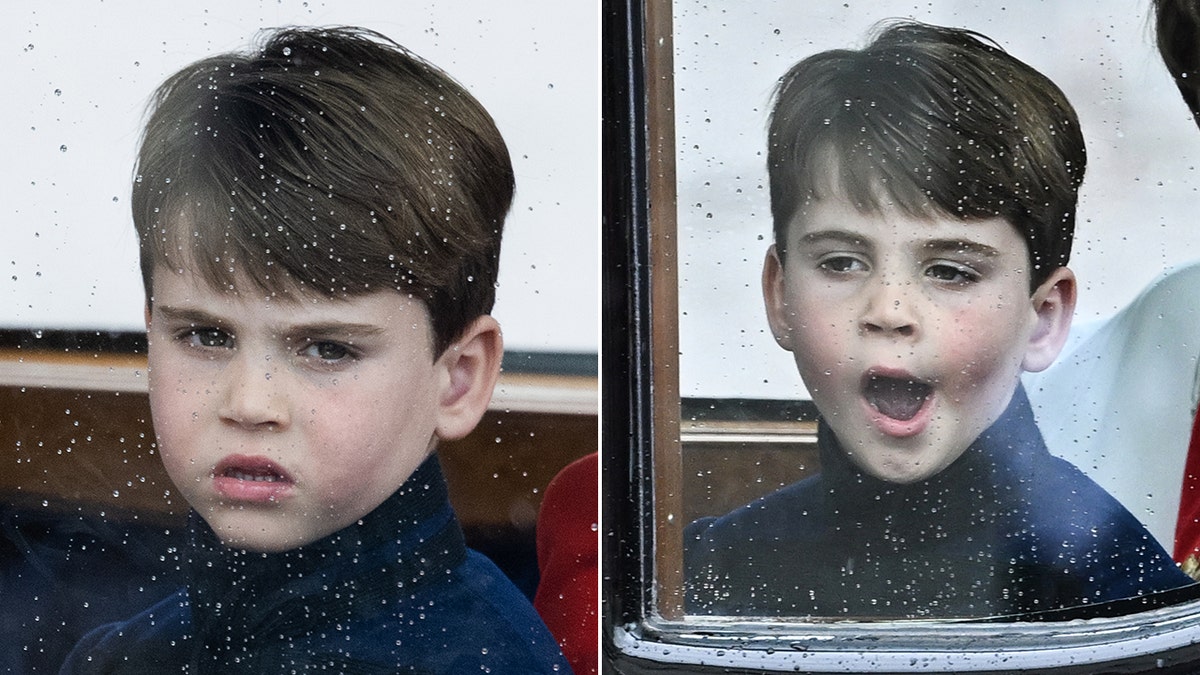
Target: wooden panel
[
  {"x": 498, "y": 474},
  {"x": 721, "y": 476},
  {"x": 664, "y": 307},
  {"x": 83, "y": 451}
]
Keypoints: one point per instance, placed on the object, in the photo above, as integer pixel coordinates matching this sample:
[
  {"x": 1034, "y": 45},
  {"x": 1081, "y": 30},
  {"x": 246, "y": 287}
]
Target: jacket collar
[
  {"x": 1003, "y": 454},
  {"x": 240, "y": 596}
]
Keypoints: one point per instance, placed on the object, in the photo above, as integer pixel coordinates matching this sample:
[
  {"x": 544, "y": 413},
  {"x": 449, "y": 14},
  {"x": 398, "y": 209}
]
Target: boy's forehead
[
  {"x": 836, "y": 187},
  {"x": 241, "y": 287},
  {"x": 249, "y": 257},
  {"x": 824, "y": 207}
]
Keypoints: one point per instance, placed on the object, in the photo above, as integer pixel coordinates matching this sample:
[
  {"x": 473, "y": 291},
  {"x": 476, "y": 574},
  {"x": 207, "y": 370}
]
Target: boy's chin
[
  {"x": 259, "y": 543},
  {"x": 258, "y": 534},
  {"x": 901, "y": 474},
  {"x": 901, "y": 467}
]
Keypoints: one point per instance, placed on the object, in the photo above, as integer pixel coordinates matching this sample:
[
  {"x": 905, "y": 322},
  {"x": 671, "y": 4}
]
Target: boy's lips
[
  {"x": 244, "y": 478},
  {"x": 898, "y": 399}
]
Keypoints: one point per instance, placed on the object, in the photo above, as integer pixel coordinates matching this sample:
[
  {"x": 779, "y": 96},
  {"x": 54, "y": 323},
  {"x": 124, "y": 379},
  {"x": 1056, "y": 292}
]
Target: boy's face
[
  {"x": 909, "y": 333},
  {"x": 283, "y": 421}
]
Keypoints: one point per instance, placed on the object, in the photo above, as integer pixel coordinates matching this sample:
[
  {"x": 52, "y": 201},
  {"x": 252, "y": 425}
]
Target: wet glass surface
[{"x": 1111, "y": 401}]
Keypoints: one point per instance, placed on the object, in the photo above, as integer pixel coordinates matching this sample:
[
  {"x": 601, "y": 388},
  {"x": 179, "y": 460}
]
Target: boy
[
  {"x": 320, "y": 225},
  {"x": 923, "y": 192}
]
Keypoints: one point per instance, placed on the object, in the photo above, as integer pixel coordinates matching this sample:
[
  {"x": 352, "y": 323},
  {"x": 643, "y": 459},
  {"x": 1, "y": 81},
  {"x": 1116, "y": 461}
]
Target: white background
[
  {"x": 77, "y": 77},
  {"x": 1137, "y": 212}
]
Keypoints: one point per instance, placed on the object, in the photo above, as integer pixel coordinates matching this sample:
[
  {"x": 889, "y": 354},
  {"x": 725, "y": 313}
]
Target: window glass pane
[{"x": 975, "y": 529}]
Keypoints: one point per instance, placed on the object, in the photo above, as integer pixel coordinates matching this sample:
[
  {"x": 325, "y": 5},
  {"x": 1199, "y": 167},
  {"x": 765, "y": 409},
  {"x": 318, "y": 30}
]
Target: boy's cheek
[{"x": 819, "y": 379}]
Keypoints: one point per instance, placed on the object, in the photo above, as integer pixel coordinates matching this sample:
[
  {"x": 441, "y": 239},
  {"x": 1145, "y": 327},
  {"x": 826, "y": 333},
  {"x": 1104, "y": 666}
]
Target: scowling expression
[
  {"x": 283, "y": 420},
  {"x": 910, "y": 333}
]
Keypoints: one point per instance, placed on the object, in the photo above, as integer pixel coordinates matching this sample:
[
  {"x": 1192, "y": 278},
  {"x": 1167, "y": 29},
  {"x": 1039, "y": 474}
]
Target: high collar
[
  {"x": 410, "y": 539},
  {"x": 1003, "y": 455}
]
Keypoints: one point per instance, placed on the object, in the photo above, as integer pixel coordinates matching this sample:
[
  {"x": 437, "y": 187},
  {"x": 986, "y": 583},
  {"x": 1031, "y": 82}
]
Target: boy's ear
[
  {"x": 775, "y": 300},
  {"x": 1054, "y": 306},
  {"x": 469, "y": 369}
]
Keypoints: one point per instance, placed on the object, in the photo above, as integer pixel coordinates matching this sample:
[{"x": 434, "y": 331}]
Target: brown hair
[
  {"x": 329, "y": 161},
  {"x": 938, "y": 121},
  {"x": 1177, "y": 26}
]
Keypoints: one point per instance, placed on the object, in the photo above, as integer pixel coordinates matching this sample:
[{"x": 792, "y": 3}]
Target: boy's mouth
[
  {"x": 899, "y": 398},
  {"x": 251, "y": 479},
  {"x": 257, "y": 475}
]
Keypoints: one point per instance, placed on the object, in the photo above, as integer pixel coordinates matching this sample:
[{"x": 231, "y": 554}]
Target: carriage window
[{"x": 875, "y": 395}]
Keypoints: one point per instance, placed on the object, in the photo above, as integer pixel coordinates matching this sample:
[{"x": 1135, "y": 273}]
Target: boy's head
[
  {"x": 935, "y": 121},
  {"x": 320, "y": 224},
  {"x": 331, "y": 162},
  {"x": 923, "y": 192}
]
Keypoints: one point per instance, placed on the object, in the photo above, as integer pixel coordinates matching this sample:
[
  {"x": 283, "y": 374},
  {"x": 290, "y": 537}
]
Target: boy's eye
[
  {"x": 842, "y": 264},
  {"x": 327, "y": 351},
  {"x": 207, "y": 337},
  {"x": 950, "y": 273}
]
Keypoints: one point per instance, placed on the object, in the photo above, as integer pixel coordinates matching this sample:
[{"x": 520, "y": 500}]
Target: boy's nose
[
  {"x": 254, "y": 398},
  {"x": 890, "y": 310}
]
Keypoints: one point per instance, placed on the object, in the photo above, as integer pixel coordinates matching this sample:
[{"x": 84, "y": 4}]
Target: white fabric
[{"x": 1119, "y": 402}]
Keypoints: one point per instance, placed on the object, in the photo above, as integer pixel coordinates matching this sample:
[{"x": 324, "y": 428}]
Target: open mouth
[
  {"x": 899, "y": 398},
  {"x": 251, "y": 479},
  {"x": 255, "y": 475},
  {"x": 256, "y": 469}
]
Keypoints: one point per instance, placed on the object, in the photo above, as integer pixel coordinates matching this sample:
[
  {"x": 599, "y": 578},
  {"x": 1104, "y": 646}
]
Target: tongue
[{"x": 896, "y": 398}]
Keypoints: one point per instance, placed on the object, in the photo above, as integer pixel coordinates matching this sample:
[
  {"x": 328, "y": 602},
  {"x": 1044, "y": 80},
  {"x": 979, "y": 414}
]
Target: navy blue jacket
[
  {"x": 397, "y": 592},
  {"x": 1006, "y": 529}
]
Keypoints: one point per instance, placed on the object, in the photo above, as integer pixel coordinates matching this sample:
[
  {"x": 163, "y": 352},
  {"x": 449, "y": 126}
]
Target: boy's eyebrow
[
  {"x": 333, "y": 329},
  {"x": 949, "y": 245},
  {"x": 192, "y": 316},
  {"x": 316, "y": 330},
  {"x": 842, "y": 236},
  {"x": 960, "y": 246}
]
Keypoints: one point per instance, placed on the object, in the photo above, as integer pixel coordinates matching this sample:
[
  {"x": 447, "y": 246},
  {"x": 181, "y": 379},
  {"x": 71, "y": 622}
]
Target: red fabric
[
  {"x": 568, "y": 539},
  {"x": 1187, "y": 525}
]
